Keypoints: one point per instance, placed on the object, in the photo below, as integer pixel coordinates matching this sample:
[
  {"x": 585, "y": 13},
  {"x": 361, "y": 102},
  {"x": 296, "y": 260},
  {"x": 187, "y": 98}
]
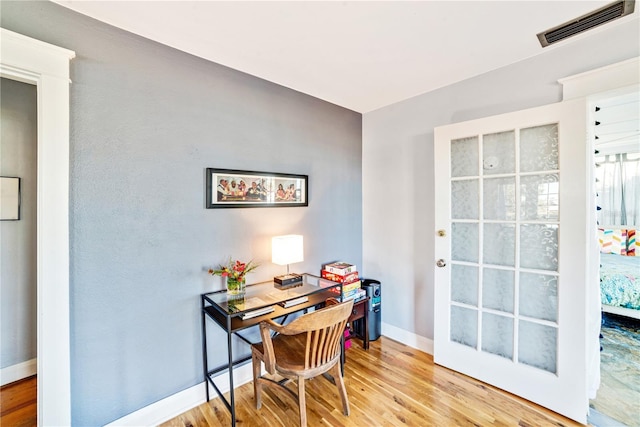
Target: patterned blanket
[{"x": 620, "y": 280}]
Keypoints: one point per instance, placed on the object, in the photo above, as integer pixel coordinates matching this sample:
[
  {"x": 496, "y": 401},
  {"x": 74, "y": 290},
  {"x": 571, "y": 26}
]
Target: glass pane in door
[
  {"x": 497, "y": 335},
  {"x": 467, "y": 199},
  {"x": 537, "y": 345},
  {"x": 539, "y": 296},
  {"x": 464, "y": 284},
  {"x": 503, "y": 192},
  {"x": 499, "y": 244},
  {"x": 539, "y": 148},
  {"x": 498, "y": 292},
  {"x": 539, "y": 246},
  {"x": 499, "y": 153},
  {"x": 464, "y": 157},
  {"x": 464, "y": 242},
  {"x": 464, "y": 326},
  {"x": 539, "y": 197}
]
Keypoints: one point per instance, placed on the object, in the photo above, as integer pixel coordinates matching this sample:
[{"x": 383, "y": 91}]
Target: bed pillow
[
  {"x": 605, "y": 238},
  {"x": 633, "y": 244},
  {"x": 613, "y": 241}
]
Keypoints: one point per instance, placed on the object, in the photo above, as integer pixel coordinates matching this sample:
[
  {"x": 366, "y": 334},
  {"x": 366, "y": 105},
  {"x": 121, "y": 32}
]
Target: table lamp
[{"x": 287, "y": 250}]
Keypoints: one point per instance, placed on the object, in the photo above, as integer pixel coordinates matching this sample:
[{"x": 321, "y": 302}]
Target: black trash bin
[{"x": 374, "y": 309}]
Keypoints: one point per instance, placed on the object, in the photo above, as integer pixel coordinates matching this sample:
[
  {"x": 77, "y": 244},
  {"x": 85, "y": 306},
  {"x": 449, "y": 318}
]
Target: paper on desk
[
  {"x": 244, "y": 304},
  {"x": 285, "y": 294}
]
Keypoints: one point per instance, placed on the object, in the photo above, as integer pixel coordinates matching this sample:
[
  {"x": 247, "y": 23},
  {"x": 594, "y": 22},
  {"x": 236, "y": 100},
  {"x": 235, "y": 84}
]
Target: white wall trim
[
  {"x": 47, "y": 66},
  {"x": 179, "y": 403},
  {"x": 408, "y": 338},
  {"x": 608, "y": 78},
  {"x": 18, "y": 371}
]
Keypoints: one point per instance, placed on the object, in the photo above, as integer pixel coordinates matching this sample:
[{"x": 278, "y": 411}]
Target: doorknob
[
  {"x": 442, "y": 233},
  {"x": 441, "y": 263}
]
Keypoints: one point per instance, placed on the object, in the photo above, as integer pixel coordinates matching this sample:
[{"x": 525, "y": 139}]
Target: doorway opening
[
  {"x": 616, "y": 140},
  {"x": 18, "y": 248}
]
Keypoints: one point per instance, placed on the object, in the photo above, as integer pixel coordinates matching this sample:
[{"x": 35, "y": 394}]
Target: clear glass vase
[{"x": 236, "y": 287}]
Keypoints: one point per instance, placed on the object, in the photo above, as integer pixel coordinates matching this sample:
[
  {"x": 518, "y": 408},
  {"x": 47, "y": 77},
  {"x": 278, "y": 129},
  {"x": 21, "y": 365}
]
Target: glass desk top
[{"x": 265, "y": 294}]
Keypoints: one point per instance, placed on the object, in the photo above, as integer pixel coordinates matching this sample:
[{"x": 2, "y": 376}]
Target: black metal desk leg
[
  {"x": 205, "y": 363},
  {"x": 365, "y": 320},
  {"x": 342, "y": 355},
  {"x": 232, "y": 400}
]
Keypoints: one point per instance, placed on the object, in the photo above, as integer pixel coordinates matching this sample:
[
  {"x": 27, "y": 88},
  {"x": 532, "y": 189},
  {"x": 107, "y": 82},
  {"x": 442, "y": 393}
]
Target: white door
[{"x": 512, "y": 200}]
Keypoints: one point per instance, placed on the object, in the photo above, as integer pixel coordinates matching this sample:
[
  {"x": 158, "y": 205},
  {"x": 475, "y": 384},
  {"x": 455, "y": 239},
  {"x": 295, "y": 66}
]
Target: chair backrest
[{"x": 324, "y": 328}]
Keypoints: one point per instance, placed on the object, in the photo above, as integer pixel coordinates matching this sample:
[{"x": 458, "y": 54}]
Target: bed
[{"x": 620, "y": 284}]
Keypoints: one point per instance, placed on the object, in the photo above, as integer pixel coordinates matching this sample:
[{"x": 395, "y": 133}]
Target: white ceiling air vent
[{"x": 586, "y": 22}]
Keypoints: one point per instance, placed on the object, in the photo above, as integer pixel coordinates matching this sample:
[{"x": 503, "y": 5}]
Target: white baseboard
[
  {"x": 18, "y": 371},
  {"x": 176, "y": 404},
  {"x": 407, "y": 338}
]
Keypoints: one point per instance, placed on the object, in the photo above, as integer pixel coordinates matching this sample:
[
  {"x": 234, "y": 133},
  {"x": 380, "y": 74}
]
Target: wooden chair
[{"x": 305, "y": 348}]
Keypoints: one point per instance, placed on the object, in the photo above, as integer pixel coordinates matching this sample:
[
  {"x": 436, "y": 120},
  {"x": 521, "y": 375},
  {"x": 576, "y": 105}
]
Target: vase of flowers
[{"x": 235, "y": 272}]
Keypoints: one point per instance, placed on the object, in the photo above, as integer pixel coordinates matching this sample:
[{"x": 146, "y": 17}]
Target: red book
[{"x": 340, "y": 278}]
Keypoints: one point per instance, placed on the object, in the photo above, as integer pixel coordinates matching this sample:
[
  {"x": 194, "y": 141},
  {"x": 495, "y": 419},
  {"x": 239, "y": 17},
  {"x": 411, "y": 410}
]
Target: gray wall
[
  {"x": 146, "y": 121},
  {"x": 399, "y": 138},
  {"x": 18, "y": 145}
]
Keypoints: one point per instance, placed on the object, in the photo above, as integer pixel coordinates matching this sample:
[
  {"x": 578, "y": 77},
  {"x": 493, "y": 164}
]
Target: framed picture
[
  {"x": 9, "y": 198},
  {"x": 229, "y": 188}
]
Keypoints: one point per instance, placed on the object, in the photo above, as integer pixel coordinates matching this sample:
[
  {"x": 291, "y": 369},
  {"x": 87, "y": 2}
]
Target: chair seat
[{"x": 289, "y": 353}]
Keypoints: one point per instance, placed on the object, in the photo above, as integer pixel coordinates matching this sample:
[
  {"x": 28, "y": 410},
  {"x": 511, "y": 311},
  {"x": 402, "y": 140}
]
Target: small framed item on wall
[
  {"x": 230, "y": 188},
  {"x": 9, "y": 198}
]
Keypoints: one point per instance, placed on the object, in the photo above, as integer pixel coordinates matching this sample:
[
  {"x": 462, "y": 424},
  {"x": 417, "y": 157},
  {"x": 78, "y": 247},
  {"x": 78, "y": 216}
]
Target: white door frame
[{"x": 47, "y": 66}]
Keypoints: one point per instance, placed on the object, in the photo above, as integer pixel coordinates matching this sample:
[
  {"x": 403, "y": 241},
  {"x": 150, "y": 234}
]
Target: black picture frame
[
  {"x": 232, "y": 188},
  {"x": 10, "y": 198}
]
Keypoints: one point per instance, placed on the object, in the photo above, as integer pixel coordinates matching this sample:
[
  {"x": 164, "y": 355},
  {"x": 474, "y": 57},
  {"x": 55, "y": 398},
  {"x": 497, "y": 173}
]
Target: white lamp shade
[{"x": 287, "y": 249}]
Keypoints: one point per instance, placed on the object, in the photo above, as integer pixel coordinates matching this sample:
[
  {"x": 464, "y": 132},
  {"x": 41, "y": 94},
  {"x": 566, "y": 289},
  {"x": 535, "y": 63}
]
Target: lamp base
[{"x": 287, "y": 281}]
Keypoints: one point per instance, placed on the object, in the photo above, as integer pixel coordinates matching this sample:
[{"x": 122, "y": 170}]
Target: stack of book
[
  {"x": 347, "y": 274},
  {"x": 256, "y": 313}
]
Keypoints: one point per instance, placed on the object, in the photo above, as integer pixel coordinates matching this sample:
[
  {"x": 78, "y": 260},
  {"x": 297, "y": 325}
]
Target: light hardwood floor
[
  {"x": 389, "y": 385},
  {"x": 18, "y": 403}
]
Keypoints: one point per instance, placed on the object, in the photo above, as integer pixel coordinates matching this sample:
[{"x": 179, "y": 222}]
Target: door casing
[{"x": 47, "y": 67}]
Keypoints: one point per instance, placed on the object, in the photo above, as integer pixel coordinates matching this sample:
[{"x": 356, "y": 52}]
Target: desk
[{"x": 227, "y": 312}]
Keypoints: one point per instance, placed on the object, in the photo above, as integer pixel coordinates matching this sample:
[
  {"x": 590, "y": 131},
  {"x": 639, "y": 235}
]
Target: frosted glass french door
[{"x": 511, "y": 232}]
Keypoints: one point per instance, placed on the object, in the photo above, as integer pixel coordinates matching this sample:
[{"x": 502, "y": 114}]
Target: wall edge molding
[
  {"x": 608, "y": 78},
  {"x": 18, "y": 371},
  {"x": 408, "y": 338}
]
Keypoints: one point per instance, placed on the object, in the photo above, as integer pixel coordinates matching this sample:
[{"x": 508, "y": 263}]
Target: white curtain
[{"x": 618, "y": 189}]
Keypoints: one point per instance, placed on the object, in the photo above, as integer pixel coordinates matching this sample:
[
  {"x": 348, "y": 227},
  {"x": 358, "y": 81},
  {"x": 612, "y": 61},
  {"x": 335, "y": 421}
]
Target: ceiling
[{"x": 361, "y": 55}]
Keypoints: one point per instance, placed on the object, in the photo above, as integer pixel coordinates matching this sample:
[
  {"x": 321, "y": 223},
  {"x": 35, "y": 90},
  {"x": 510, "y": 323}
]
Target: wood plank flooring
[
  {"x": 389, "y": 385},
  {"x": 18, "y": 403}
]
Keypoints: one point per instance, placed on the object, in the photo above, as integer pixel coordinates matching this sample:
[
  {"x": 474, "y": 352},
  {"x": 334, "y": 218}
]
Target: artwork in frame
[
  {"x": 230, "y": 188},
  {"x": 9, "y": 198}
]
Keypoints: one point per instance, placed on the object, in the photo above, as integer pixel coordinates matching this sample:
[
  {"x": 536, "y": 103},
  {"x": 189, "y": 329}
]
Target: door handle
[{"x": 441, "y": 263}]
